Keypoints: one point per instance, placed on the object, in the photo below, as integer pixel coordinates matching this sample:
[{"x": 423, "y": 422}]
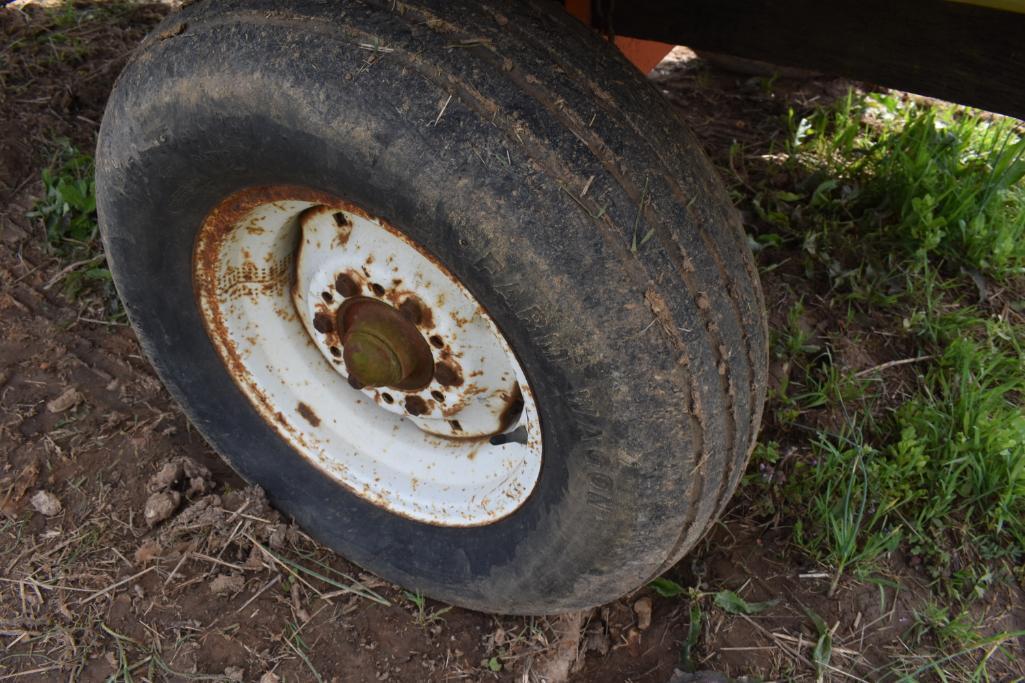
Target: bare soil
[{"x": 95, "y": 583}]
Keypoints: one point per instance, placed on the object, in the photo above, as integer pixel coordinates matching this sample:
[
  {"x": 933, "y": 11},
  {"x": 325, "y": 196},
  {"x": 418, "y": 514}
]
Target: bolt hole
[
  {"x": 323, "y": 323},
  {"x": 437, "y": 342},
  {"x": 346, "y": 285},
  {"x": 518, "y": 435},
  {"x": 335, "y": 351},
  {"x": 377, "y": 289},
  {"x": 438, "y": 396},
  {"x": 341, "y": 220},
  {"x": 415, "y": 405},
  {"x": 327, "y": 297},
  {"x": 387, "y": 398},
  {"x": 446, "y": 375}
]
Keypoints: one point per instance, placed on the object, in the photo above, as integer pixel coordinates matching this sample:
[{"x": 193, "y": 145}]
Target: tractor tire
[{"x": 525, "y": 159}]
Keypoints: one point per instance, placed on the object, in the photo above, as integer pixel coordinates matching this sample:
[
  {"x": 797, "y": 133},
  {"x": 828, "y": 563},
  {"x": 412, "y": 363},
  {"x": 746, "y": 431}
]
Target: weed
[
  {"x": 690, "y": 644},
  {"x": 823, "y": 650},
  {"x": 67, "y": 211},
  {"x": 68, "y": 206},
  {"x": 961, "y": 456},
  {"x": 425, "y": 617},
  {"x": 731, "y": 603},
  {"x": 846, "y": 522},
  {"x": 950, "y": 632}
]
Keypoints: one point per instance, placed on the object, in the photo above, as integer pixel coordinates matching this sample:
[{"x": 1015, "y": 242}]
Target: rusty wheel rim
[{"x": 368, "y": 356}]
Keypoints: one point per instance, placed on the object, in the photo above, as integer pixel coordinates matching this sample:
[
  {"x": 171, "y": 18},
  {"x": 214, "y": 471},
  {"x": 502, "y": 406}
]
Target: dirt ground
[{"x": 225, "y": 589}]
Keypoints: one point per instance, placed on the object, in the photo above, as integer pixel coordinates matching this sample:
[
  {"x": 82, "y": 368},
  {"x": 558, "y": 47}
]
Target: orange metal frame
[{"x": 644, "y": 54}]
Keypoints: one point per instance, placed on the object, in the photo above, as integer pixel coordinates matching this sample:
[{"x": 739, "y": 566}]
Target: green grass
[
  {"x": 67, "y": 213},
  {"x": 930, "y": 186},
  {"x": 68, "y": 206},
  {"x": 908, "y": 221}
]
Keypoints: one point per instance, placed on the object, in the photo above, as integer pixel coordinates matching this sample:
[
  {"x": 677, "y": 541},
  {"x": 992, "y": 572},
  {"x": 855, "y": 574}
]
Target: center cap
[{"x": 381, "y": 348}]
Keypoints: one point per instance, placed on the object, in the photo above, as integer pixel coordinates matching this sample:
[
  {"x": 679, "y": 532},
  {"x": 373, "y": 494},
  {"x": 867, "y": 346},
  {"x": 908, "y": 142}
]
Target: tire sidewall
[{"x": 184, "y": 131}]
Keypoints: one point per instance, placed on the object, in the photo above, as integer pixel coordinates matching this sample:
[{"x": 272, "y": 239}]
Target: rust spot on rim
[
  {"x": 308, "y": 414},
  {"x": 513, "y": 409},
  {"x": 216, "y": 229}
]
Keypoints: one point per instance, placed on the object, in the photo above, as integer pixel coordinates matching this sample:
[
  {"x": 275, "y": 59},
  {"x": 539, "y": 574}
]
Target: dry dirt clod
[
  {"x": 277, "y": 537},
  {"x": 270, "y": 677},
  {"x": 235, "y": 673},
  {"x": 167, "y": 477},
  {"x": 160, "y": 506},
  {"x": 633, "y": 641},
  {"x": 227, "y": 584},
  {"x": 197, "y": 486},
  {"x": 46, "y": 503},
  {"x": 69, "y": 399},
  {"x": 148, "y": 551},
  {"x": 181, "y": 474},
  {"x": 642, "y": 608}
]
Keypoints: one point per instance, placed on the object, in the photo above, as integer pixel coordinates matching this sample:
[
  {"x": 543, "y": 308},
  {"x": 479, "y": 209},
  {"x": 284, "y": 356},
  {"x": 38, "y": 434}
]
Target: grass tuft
[
  {"x": 67, "y": 211},
  {"x": 909, "y": 220},
  {"x": 927, "y": 183}
]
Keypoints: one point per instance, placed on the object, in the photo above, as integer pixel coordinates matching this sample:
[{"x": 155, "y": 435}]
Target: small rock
[
  {"x": 235, "y": 673},
  {"x": 270, "y": 677},
  {"x": 46, "y": 503},
  {"x": 69, "y": 399},
  {"x": 642, "y": 608},
  {"x": 197, "y": 486},
  {"x": 227, "y": 583},
  {"x": 167, "y": 477},
  {"x": 160, "y": 506}
]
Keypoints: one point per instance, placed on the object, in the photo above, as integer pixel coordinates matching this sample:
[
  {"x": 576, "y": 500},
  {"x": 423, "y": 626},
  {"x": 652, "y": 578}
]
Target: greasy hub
[
  {"x": 368, "y": 356},
  {"x": 382, "y": 348}
]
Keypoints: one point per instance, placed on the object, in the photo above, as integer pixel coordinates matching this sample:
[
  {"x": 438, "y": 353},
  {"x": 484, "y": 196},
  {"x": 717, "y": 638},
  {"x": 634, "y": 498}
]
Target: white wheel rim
[{"x": 267, "y": 262}]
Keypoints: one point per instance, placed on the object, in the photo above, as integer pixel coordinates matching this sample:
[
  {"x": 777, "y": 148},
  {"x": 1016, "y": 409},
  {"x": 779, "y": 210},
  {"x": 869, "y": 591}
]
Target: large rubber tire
[{"x": 556, "y": 183}]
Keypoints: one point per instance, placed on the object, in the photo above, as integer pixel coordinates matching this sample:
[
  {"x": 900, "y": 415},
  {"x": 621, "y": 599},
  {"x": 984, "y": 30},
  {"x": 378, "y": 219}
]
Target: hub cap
[{"x": 368, "y": 356}]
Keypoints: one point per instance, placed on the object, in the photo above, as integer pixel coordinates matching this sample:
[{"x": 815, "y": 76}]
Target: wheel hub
[
  {"x": 401, "y": 329},
  {"x": 381, "y": 348}
]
